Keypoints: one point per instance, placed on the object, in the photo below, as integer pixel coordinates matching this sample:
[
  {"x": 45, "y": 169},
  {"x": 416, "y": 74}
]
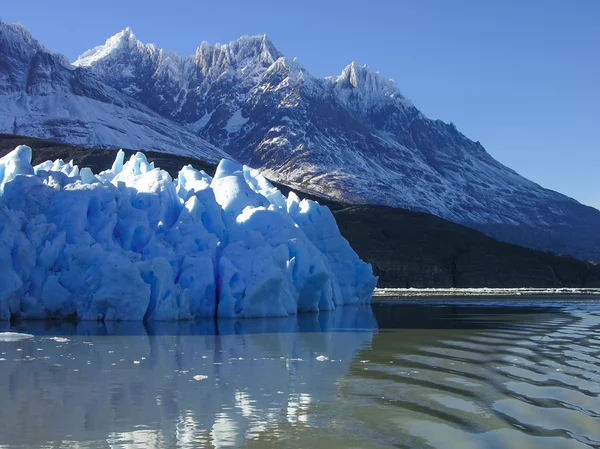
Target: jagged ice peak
[
  {"x": 246, "y": 47},
  {"x": 123, "y": 39},
  {"x": 366, "y": 84}
]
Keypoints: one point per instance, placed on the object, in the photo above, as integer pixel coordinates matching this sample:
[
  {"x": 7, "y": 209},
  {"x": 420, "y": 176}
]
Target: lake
[{"x": 399, "y": 374}]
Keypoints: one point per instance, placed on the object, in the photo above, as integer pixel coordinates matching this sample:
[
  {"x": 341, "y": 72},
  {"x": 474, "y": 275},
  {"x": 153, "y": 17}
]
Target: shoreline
[{"x": 460, "y": 293}]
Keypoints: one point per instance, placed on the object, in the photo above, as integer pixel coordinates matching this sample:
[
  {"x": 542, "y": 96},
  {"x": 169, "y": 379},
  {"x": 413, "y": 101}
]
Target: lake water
[{"x": 453, "y": 374}]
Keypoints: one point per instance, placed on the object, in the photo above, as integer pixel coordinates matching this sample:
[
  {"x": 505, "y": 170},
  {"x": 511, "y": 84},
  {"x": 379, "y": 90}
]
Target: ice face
[{"x": 131, "y": 243}]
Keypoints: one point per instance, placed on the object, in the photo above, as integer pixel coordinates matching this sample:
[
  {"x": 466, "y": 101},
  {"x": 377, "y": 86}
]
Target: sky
[{"x": 521, "y": 77}]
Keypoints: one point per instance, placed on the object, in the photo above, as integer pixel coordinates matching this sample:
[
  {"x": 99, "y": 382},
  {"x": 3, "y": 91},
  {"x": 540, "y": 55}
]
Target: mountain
[
  {"x": 405, "y": 248},
  {"x": 353, "y": 137},
  {"x": 42, "y": 94}
]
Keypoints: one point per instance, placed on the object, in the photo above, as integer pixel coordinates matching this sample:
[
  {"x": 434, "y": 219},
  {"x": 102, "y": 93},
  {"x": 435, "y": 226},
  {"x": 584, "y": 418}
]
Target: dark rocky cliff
[{"x": 406, "y": 248}]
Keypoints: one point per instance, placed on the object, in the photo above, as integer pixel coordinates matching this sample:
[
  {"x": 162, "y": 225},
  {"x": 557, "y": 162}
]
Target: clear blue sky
[{"x": 522, "y": 77}]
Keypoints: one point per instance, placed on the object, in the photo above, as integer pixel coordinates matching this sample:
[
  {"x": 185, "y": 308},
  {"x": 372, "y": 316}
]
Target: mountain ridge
[
  {"x": 352, "y": 137},
  {"x": 42, "y": 94}
]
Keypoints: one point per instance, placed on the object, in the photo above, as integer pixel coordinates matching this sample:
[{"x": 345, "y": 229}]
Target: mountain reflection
[{"x": 196, "y": 384}]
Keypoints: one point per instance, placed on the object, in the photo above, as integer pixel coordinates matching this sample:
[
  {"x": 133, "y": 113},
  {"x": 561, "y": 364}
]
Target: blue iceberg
[{"x": 131, "y": 243}]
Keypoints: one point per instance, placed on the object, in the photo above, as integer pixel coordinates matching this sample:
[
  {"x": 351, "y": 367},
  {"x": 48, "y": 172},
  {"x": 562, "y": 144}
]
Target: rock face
[
  {"x": 353, "y": 137},
  {"x": 405, "y": 248},
  {"x": 414, "y": 249}
]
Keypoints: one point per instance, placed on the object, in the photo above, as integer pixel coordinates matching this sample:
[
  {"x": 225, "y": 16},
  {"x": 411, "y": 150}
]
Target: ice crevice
[{"x": 131, "y": 243}]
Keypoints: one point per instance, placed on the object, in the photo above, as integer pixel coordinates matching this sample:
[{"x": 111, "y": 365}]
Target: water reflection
[
  {"x": 347, "y": 318},
  {"x": 197, "y": 384},
  {"x": 398, "y": 375}
]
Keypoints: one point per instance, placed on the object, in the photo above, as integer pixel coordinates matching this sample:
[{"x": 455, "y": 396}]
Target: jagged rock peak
[
  {"x": 292, "y": 71},
  {"x": 255, "y": 46},
  {"x": 361, "y": 77},
  {"x": 258, "y": 48},
  {"x": 243, "y": 50},
  {"x": 361, "y": 88}
]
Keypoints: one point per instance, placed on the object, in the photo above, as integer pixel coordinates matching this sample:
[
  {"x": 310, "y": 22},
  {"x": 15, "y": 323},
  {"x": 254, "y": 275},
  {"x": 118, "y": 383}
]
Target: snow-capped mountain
[
  {"x": 43, "y": 95},
  {"x": 351, "y": 137}
]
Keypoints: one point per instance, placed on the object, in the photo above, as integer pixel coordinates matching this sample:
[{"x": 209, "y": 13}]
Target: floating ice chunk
[
  {"x": 131, "y": 243},
  {"x": 60, "y": 339},
  {"x": 7, "y": 337}
]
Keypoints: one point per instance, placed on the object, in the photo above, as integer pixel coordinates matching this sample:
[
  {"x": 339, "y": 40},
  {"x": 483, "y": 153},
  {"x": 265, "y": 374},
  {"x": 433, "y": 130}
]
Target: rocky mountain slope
[
  {"x": 353, "y": 137},
  {"x": 405, "y": 248},
  {"x": 43, "y": 95}
]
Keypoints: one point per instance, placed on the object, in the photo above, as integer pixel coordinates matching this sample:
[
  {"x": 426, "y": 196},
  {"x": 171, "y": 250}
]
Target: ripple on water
[{"x": 535, "y": 384}]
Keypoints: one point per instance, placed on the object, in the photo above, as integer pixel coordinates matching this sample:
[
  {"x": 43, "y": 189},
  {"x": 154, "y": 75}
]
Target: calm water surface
[{"x": 429, "y": 374}]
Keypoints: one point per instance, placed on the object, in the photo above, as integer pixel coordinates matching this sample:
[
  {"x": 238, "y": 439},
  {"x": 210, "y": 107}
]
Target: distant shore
[{"x": 391, "y": 293}]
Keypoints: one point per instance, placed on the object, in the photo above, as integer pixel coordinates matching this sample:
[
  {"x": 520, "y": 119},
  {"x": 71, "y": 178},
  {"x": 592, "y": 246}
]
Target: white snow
[
  {"x": 86, "y": 121},
  {"x": 48, "y": 98},
  {"x": 122, "y": 38},
  {"x": 131, "y": 243},
  {"x": 200, "y": 123},
  {"x": 236, "y": 122}
]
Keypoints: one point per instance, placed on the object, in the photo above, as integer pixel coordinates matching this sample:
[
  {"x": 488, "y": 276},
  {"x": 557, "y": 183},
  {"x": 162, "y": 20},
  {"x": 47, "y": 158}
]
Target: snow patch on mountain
[
  {"x": 236, "y": 122},
  {"x": 200, "y": 123}
]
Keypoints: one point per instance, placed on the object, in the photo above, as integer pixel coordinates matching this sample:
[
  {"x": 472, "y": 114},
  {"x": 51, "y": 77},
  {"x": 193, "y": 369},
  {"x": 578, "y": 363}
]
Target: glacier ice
[{"x": 131, "y": 243}]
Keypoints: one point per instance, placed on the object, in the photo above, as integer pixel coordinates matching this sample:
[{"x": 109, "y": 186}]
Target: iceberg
[{"x": 131, "y": 243}]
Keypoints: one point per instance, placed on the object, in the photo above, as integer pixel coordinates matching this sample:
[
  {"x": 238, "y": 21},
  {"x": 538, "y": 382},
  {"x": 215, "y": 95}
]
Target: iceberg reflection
[{"x": 198, "y": 384}]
